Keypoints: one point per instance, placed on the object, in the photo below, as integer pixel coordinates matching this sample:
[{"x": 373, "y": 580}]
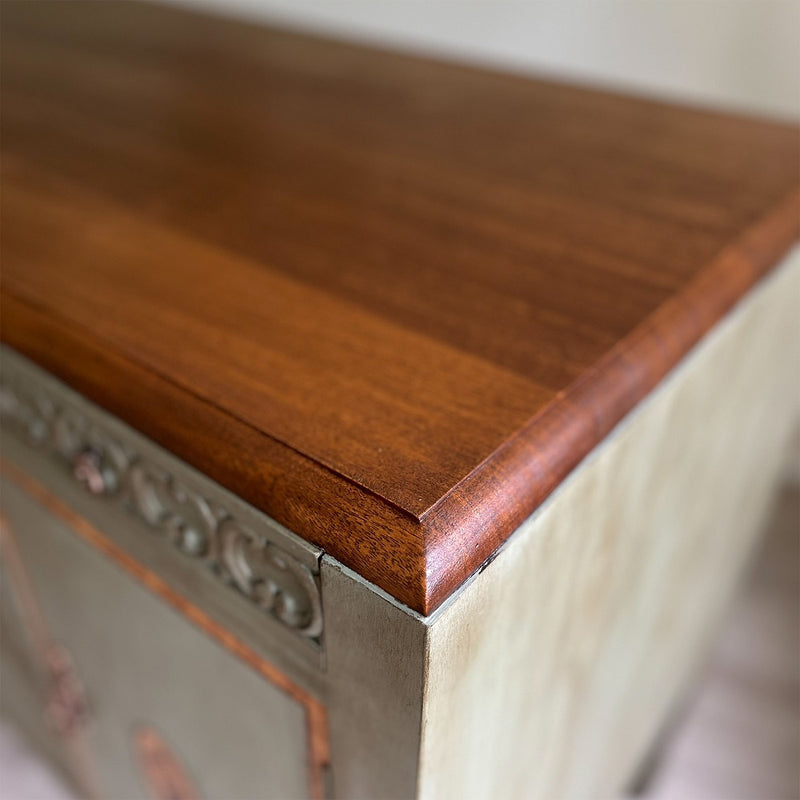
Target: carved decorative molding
[{"x": 202, "y": 529}]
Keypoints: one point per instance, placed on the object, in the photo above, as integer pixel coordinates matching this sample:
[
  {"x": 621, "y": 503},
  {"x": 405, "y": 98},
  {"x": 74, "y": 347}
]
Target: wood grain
[{"x": 391, "y": 302}]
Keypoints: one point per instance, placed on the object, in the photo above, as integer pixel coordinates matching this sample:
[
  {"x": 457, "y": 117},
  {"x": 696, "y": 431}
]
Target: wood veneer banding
[{"x": 389, "y": 301}]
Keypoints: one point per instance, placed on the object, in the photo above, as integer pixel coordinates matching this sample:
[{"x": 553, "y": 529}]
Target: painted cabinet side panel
[
  {"x": 550, "y": 673},
  {"x": 375, "y": 664}
]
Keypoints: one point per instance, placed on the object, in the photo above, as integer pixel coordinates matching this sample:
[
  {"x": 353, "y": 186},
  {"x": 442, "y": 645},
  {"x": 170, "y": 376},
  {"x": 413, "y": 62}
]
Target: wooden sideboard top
[{"x": 391, "y": 302}]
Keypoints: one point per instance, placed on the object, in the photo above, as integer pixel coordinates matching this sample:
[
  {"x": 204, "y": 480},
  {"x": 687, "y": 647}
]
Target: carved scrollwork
[
  {"x": 247, "y": 560},
  {"x": 263, "y": 572},
  {"x": 185, "y": 517}
]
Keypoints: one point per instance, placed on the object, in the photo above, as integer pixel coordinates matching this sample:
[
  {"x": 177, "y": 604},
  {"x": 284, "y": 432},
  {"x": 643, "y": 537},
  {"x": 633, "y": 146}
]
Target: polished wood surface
[{"x": 391, "y": 302}]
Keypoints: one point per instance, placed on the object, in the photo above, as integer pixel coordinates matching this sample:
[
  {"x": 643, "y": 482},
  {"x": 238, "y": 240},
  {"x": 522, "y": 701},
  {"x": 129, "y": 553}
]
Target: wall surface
[{"x": 736, "y": 54}]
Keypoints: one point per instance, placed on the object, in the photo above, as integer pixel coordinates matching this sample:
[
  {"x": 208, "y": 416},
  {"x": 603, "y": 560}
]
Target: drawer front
[{"x": 168, "y": 705}]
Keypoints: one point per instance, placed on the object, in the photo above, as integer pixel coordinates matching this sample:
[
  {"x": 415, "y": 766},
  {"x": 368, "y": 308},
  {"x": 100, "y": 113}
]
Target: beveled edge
[
  {"x": 419, "y": 560},
  {"x": 468, "y": 525}
]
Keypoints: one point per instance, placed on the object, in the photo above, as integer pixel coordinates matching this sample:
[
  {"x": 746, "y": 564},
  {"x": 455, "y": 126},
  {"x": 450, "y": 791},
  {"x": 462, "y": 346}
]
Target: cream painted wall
[{"x": 737, "y": 54}]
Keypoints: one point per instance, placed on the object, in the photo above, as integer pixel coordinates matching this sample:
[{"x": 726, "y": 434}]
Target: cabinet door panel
[{"x": 158, "y": 689}]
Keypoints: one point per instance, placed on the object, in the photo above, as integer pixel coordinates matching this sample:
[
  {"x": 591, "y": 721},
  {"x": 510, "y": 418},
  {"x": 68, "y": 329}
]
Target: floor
[{"x": 739, "y": 736}]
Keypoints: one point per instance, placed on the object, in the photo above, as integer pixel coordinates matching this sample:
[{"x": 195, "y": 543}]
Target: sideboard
[{"x": 372, "y": 426}]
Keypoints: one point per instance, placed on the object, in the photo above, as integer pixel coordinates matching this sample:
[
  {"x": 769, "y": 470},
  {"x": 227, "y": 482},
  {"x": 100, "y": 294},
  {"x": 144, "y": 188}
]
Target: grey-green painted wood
[
  {"x": 22, "y": 685},
  {"x": 140, "y": 661},
  {"x": 30, "y": 400},
  {"x": 366, "y": 667},
  {"x": 376, "y": 656}
]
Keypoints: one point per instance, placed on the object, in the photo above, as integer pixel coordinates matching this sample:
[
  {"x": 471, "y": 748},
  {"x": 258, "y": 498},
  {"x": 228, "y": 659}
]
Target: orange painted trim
[
  {"x": 164, "y": 773},
  {"x": 316, "y": 713}
]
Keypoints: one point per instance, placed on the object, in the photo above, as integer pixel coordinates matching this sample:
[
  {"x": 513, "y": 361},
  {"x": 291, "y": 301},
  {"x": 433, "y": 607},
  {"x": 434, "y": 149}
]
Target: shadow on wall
[{"x": 739, "y": 54}]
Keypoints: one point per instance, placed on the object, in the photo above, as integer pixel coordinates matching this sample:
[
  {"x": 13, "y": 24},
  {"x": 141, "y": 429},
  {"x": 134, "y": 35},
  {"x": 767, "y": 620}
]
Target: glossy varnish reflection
[{"x": 389, "y": 301}]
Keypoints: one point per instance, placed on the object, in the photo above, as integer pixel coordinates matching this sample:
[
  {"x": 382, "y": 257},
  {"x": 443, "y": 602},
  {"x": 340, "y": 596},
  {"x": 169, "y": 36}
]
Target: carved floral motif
[{"x": 245, "y": 559}]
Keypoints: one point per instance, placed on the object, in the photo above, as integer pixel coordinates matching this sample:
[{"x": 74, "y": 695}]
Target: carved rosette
[{"x": 245, "y": 559}]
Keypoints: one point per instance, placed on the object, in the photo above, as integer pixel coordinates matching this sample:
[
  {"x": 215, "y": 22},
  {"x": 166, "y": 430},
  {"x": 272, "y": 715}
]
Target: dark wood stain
[{"x": 390, "y": 301}]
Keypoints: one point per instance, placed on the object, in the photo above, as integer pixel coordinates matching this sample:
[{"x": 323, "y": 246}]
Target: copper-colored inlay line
[
  {"x": 164, "y": 773},
  {"x": 316, "y": 714}
]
